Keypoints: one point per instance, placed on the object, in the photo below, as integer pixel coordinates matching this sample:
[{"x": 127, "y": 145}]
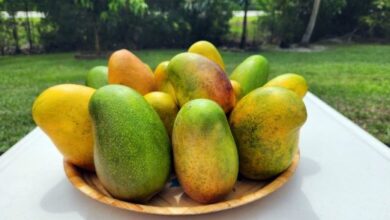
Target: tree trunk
[
  {"x": 28, "y": 27},
  {"x": 15, "y": 32},
  {"x": 97, "y": 39},
  {"x": 243, "y": 34},
  {"x": 312, "y": 22}
]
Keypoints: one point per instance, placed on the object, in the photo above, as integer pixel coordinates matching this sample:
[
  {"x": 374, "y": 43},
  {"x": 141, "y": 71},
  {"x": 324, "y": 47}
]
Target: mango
[
  {"x": 126, "y": 69},
  {"x": 61, "y": 112},
  {"x": 194, "y": 76},
  {"x": 237, "y": 89},
  {"x": 266, "y": 124},
  {"x": 252, "y": 73},
  {"x": 132, "y": 150},
  {"x": 165, "y": 106},
  {"x": 161, "y": 78},
  {"x": 205, "y": 155},
  {"x": 97, "y": 77},
  {"x": 208, "y": 50},
  {"x": 291, "y": 81}
]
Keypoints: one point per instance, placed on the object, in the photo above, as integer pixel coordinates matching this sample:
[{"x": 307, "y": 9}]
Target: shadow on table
[{"x": 290, "y": 202}]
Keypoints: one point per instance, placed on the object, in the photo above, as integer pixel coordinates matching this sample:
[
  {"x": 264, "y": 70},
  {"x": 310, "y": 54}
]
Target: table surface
[{"x": 344, "y": 173}]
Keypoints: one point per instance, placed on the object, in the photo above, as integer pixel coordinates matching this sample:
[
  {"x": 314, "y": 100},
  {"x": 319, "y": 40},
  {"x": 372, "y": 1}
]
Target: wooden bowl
[{"x": 172, "y": 200}]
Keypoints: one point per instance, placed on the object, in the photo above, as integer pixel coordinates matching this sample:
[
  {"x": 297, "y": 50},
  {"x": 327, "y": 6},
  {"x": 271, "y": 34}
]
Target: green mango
[
  {"x": 194, "y": 76},
  {"x": 252, "y": 73},
  {"x": 97, "y": 77},
  {"x": 132, "y": 149},
  {"x": 205, "y": 155},
  {"x": 266, "y": 124}
]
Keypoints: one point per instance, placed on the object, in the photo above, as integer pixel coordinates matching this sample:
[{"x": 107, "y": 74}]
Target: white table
[{"x": 344, "y": 173}]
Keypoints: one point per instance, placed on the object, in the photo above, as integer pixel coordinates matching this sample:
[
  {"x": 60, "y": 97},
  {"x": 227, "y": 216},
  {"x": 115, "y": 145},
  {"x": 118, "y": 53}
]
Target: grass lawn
[{"x": 354, "y": 79}]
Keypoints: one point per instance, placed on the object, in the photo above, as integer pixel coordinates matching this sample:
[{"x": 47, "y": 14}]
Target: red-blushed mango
[
  {"x": 61, "y": 112},
  {"x": 252, "y": 73},
  {"x": 125, "y": 68},
  {"x": 165, "y": 106},
  {"x": 291, "y": 81},
  {"x": 161, "y": 79},
  {"x": 193, "y": 76},
  {"x": 204, "y": 151},
  {"x": 208, "y": 50},
  {"x": 266, "y": 124}
]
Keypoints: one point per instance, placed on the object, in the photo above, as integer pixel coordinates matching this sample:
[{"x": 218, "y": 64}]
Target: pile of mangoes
[{"x": 136, "y": 128}]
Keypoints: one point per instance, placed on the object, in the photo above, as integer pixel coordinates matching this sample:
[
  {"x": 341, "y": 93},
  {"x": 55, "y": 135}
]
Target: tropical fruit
[
  {"x": 61, "y": 112},
  {"x": 266, "y": 124},
  {"x": 132, "y": 151},
  {"x": 237, "y": 89},
  {"x": 205, "y": 155},
  {"x": 251, "y": 73},
  {"x": 194, "y": 76},
  {"x": 161, "y": 78},
  {"x": 165, "y": 106},
  {"x": 126, "y": 69},
  {"x": 291, "y": 81},
  {"x": 97, "y": 77},
  {"x": 208, "y": 50}
]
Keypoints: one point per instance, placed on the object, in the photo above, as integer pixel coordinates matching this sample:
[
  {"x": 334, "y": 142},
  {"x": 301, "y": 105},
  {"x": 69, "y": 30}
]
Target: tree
[
  {"x": 100, "y": 9},
  {"x": 12, "y": 7},
  {"x": 26, "y": 7},
  {"x": 312, "y": 22},
  {"x": 244, "y": 25}
]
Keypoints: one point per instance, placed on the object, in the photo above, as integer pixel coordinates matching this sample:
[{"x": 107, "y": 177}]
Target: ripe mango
[
  {"x": 291, "y": 81},
  {"x": 194, "y": 76},
  {"x": 61, "y": 112},
  {"x": 237, "y": 89},
  {"x": 161, "y": 78},
  {"x": 266, "y": 124},
  {"x": 205, "y": 155},
  {"x": 97, "y": 77},
  {"x": 165, "y": 106},
  {"x": 132, "y": 150},
  {"x": 251, "y": 73},
  {"x": 126, "y": 69},
  {"x": 208, "y": 50}
]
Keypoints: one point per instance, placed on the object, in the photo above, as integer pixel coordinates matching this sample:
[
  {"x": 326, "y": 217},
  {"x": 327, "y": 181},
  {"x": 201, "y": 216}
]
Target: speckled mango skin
[
  {"x": 205, "y": 154},
  {"x": 194, "y": 76},
  {"x": 208, "y": 50},
  {"x": 161, "y": 79},
  {"x": 125, "y": 68},
  {"x": 291, "y": 81},
  {"x": 266, "y": 124},
  {"x": 252, "y": 73},
  {"x": 132, "y": 148}
]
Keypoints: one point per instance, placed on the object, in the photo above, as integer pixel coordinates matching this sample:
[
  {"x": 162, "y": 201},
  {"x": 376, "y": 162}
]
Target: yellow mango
[
  {"x": 161, "y": 79},
  {"x": 291, "y": 81},
  {"x": 208, "y": 50}
]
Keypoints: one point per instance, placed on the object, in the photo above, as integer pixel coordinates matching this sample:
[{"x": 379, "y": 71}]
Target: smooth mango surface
[
  {"x": 161, "y": 79},
  {"x": 194, "y": 76},
  {"x": 125, "y": 68},
  {"x": 266, "y": 124},
  {"x": 132, "y": 150},
  {"x": 291, "y": 81},
  {"x": 237, "y": 89},
  {"x": 252, "y": 73},
  {"x": 61, "y": 112},
  {"x": 97, "y": 77},
  {"x": 205, "y": 154},
  {"x": 208, "y": 50}
]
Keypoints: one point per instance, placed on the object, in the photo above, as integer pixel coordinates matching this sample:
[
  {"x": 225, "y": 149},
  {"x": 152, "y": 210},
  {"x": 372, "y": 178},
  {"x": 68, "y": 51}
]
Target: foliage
[{"x": 378, "y": 20}]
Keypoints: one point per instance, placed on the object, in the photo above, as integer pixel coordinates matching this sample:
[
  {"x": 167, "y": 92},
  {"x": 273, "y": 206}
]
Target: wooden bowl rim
[{"x": 75, "y": 177}]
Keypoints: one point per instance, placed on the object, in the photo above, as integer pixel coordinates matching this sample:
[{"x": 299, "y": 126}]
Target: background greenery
[{"x": 354, "y": 79}]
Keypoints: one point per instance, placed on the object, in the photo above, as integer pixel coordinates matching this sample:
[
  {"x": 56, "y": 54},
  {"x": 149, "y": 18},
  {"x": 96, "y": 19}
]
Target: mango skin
[
  {"x": 252, "y": 73},
  {"x": 208, "y": 50},
  {"x": 165, "y": 106},
  {"x": 161, "y": 79},
  {"x": 194, "y": 76},
  {"x": 61, "y": 112},
  {"x": 205, "y": 154},
  {"x": 97, "y": 77},
  {"x": 266, "y": 124},
  {"x": 125, "y": 68},
  {"x": 291, "y": 81},
  {"x": 132, "y": 150},
  {"x": 237, "y": 89}
]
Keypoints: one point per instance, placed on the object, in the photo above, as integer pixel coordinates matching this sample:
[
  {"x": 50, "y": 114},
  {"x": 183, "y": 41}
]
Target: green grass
[{"x": 354, "y": 79}]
